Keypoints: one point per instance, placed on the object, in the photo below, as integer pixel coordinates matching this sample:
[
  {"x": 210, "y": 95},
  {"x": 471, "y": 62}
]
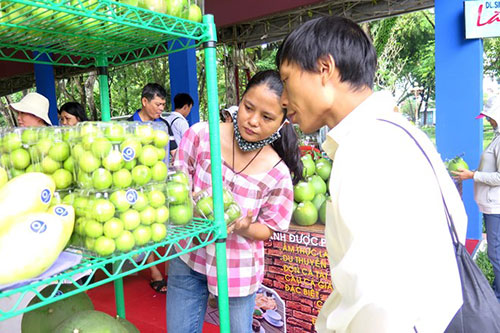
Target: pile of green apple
[
  {"x": 311, "y": 195},
  {"x": 186, "y": 9},
  {"x": 119, "y": 155},
  {"x": 41, "y": 149},
  {"x": 205, "y": 206}
]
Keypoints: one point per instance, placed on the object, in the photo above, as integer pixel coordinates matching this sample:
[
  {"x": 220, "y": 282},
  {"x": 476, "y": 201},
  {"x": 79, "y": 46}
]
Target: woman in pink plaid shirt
[{"x": 259, "y": 153}]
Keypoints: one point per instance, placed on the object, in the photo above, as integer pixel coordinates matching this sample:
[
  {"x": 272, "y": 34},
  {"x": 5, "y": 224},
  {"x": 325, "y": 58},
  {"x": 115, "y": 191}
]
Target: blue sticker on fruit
[
  {"x": 61, "y": 211},
  {"x": 46, "y": 196},
  {"x": 131, "y": 196},
  {"x": 128, "y": 153},
  {"x": 38, "y": 226},
  {"x": 59, "y": 293}
]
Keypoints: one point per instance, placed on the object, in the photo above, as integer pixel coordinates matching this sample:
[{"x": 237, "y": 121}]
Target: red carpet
[{"x": 144, "y": 307}]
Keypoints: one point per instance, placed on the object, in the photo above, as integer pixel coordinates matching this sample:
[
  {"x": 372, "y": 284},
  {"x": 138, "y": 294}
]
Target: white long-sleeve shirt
[{"x": 390, "y": 251}]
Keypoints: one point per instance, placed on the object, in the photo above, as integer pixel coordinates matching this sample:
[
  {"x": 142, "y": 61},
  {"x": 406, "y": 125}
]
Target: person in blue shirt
[{"x": 153, "y": 100}]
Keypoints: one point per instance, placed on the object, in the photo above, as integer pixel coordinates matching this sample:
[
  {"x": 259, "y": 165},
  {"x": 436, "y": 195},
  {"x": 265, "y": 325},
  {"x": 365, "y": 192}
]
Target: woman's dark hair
[
  {"x": 343, "y": 39},
  {"x": 287, "y": 145},
  {"x": 74, "y": 109}
]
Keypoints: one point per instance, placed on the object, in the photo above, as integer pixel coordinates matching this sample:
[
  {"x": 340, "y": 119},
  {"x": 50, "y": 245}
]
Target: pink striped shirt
[{"x": 268, "y": 195}]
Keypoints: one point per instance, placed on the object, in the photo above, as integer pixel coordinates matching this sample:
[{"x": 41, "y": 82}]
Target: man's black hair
[
  {"x": 182, "y": 99},
  {"x": 343, "y": 39},
  {"x": 151, "y": 90}
]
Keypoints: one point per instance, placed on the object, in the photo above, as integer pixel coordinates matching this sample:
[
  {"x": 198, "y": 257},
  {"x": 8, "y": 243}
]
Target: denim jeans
[
  {"x": 187, "y": 296},
  {"x": 492, "y": 222}
]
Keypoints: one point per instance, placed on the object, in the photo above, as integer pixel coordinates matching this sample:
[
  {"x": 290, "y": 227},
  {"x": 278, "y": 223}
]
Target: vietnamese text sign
[{"x": 482, "y": 19}]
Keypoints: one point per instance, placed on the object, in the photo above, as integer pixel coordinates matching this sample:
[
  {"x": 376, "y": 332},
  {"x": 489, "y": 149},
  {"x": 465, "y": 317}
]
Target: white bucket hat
[{"x": 35, "y": 104}]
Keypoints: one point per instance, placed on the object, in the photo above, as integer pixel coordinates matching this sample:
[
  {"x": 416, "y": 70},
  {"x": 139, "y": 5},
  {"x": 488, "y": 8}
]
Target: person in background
[
  {"x": 153, "y": 100},
  {"x": 487, "y": 188},
  {"x": 183, "y": 103},
  {"x": 71, "y": 113},
  {"x": 32, "y": 110},
  {"x": 226, "y": 115},
  {"x": 392, "y": 259},
  {"x": 259, "y": 154}
]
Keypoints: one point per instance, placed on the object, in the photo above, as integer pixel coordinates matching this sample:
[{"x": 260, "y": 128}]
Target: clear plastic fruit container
[
  {"x": 180, "y": 199},
  {"x": 108, "y": 223},
  {"x": 118, "y": 155},
  {"x": 204, "y": 206}
]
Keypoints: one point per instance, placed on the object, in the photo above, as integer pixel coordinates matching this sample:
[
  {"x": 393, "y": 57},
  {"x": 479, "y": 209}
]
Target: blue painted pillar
[
  {"x": 46, "y": 86},
  {"x": 183, "y": 79},
  {"x": 459, "y": 94}
]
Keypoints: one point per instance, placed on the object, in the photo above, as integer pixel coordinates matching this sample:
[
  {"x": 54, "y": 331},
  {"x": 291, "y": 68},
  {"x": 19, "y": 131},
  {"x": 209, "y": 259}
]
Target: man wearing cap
[
  {"x": 487, "y": 187},
  {"x": 32, "y": 110}
]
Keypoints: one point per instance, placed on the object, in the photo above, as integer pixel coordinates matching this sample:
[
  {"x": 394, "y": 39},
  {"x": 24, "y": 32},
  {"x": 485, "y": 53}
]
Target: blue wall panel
[
  {"x": 46, "y": 86},
  {"x": 459, "y": 93}
]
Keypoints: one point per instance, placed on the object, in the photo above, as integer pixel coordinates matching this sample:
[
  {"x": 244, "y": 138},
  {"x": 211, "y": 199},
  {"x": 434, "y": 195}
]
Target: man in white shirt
[
  {"x": 390, "y": 251},
  {"x": 183, "y": 104}
]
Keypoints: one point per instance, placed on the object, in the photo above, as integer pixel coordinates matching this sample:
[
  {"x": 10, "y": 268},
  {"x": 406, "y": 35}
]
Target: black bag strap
[
  {"x": 451, "y": 225},
  {"x": 173, "y": 121}
]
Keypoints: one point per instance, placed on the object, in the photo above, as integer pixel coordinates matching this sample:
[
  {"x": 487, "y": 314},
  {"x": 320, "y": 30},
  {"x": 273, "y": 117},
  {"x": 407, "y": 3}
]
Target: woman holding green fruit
[
  {"x": 487, "y": 188},
  {"x": 259, "y": 152}
]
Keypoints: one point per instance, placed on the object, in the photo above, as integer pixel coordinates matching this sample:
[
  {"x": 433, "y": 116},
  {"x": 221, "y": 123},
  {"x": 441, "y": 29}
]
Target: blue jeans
[
  {"x": 187, "y": 296},
  {"x": 492, "y": 222}
]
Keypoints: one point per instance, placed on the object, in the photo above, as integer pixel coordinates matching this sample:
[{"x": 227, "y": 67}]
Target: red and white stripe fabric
[{"x": 268, "y": 195}]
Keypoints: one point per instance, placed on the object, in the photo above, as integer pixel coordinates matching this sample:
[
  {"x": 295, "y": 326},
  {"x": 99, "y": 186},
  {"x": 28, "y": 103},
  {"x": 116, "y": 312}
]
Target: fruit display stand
[{"x": 98, "y": 34}]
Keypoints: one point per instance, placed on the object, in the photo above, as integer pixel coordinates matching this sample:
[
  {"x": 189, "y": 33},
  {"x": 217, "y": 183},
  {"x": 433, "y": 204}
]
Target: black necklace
[{"x": 246, "y": 166}]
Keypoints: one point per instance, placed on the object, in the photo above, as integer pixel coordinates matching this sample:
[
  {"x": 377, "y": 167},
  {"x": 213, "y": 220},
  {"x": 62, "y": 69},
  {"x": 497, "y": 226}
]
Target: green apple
[
  {"x": 131, "y": 219},
  {"x": 149, "y": 155},
  {"x": 29, "y": 136},
  {"x": 5, "y": 160},
  {"x": 318, "y": 183},
  {"x": 161, "y": 153},
  {"x": 145, "y": 133},
  {"x": 62, "y": 178},
  {"x": 113, "y": 228},
  {"x": 3, "y": 177},
  {"x": 323, "y": 168},
  {"x": 104, "y": 246},
  {"x": 90, "y": 243},
  {"x": 309, "y": 166},
  {"x": 113, "y": 161},
  {"x": 156, "y": 198},
  {"x": 20, "y": 158},
  {"x": 160, "y": 138},
  {"x": 90, "y": 128},
  {"x": 59, "y": 151},
  {"x": 122, "y": 178},
  {"x": 84, "y": 180},
  {"x": 103, "y": 210},
  {"x": 178, "y": 193},
  {"x": 177, "y": 8},
  {"x": 43, "y": 146},
  {"x": 16, "y": 172},
  {"x": 87, "y": 141},
  {"x": 227, "y": 198},
  {"x": 119, "y": 200},
  {"x": 142, "y": 235},
  {"x": 305, "y": 214},
  {"x": 12, "y": 141},
  {"x": 195, "y": 13},
  {"x": 141, "y": 202},
  {"x": 148, "y": 215},
  {"x": 130, "y": 164},
  {"x": 69, "y": 199},
  {"x": 180, "y": 214},
  {"x": 93, "y": 228},
  {"x": 69, "y": 164},
  {"x": 141, "y": 175},
  {"x": 80, "y": 225},
  {"x": 102, "y": 179},
  {"x": 77, "y": 151},
  {"x": 158, "y": 232},
  {"x": 303, "y": 191},
  {"x": 125, "y": 242},
  {"x": 80, "y": 205},
  {"x": 101, "y": 147},
  {"x": 205, "y": 206},
  {"x": 180, "y": 177},
  {"x": 159, "y": 171},
  {"x": 131, "y": 148},
  {"x": 233, "y": 212},
  {"x": 69, "y": 134},
  {"x": 115, "y": 133},
  {"x": 49, "y": 166},
  {"x": 162, "y": 214},
  {"x": 88, "y": 162}
]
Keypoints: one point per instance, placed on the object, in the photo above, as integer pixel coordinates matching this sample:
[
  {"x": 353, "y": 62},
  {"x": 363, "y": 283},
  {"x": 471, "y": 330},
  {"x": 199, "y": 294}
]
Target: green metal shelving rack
[{"x": 98, "y": 34}]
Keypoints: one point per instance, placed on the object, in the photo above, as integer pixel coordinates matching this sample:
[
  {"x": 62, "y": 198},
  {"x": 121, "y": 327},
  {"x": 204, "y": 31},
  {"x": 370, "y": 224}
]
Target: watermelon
[{"x": 90, "y": 321}]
